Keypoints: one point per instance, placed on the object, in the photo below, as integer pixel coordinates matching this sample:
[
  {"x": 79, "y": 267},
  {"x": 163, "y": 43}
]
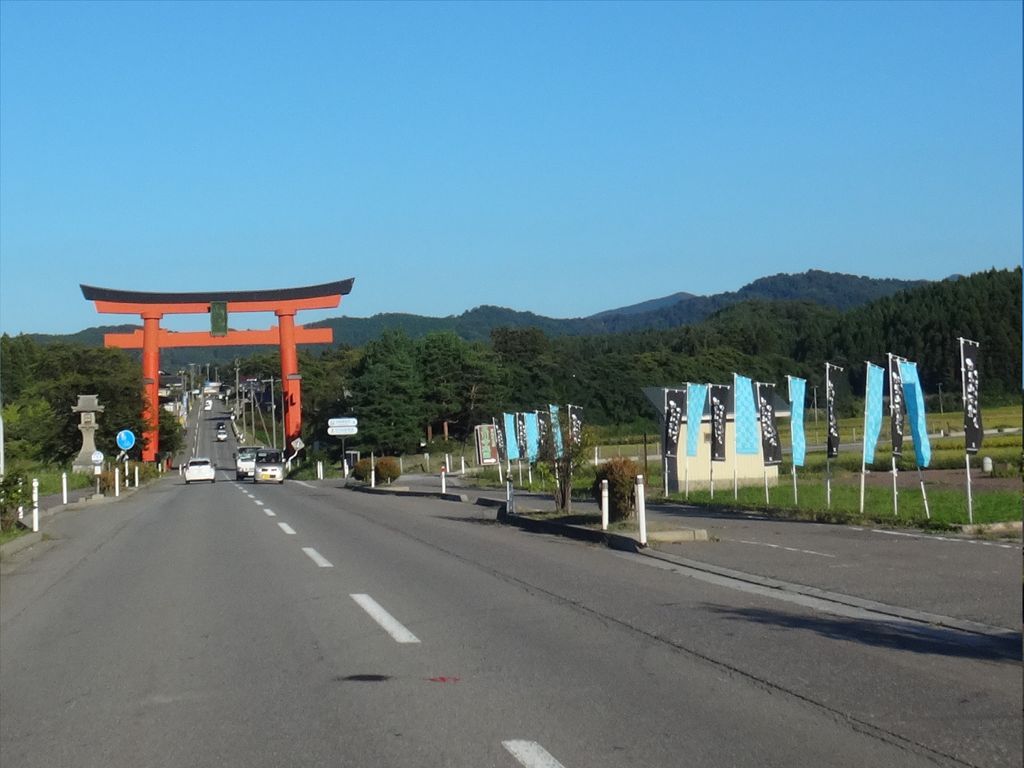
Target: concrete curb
[
  {"x": 613, "y": 540},
  {"x": 24, "y": 541},
  {"x": 1001, "y": 529},
  {"x": 909, "y": 614},
  {"x": 400, "y": 491}
]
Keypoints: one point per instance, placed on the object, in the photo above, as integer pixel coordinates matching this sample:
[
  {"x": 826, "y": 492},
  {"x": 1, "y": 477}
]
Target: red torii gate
[{"x": 151, "y": 307}]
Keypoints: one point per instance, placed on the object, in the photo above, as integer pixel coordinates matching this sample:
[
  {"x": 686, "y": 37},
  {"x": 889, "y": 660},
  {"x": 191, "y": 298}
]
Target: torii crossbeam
[{"x": 151, "y": 307}]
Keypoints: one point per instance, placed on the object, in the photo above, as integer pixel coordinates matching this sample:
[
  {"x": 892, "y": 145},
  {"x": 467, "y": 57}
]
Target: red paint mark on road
[{"x": 443, "y": 679}]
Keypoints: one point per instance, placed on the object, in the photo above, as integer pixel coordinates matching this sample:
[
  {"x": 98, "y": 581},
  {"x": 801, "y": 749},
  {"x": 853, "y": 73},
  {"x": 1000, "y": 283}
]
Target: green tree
[{"x": 388, "y": 395}]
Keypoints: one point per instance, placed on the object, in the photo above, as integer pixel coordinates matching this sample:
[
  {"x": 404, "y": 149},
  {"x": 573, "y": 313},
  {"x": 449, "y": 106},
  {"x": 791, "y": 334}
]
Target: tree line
[{"x": 397, "y": 386}]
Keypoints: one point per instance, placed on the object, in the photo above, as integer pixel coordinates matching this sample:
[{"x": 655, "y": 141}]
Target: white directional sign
[
  {"x": 338, "y": 431},
  {"x": 348, "y": 421}
]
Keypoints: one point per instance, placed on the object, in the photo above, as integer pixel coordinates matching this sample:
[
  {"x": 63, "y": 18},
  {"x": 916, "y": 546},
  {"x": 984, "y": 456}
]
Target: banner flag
[
  {"x": 575, "y": 424},
  {"x": 896, "y": 406},
  {"x": 970, "y": 374},
  {"x": 544, "y": 429},
  {"x": 556, "y": 430},
  {"x": 873, "y": 410},
  {"x": 797, "y": 394},
  {"x": 521, "y": 435},
  {"x": 696, "y": 396},
  {"x": 915, "y": 412},
  {"x": 771, "y": 446},
  {"x": 830, "y": 411},
  {"x": 745, "y": 415},
  {"x": 511, "y": 441},
  {"x": 719, "y": 403},
  {"x": 675, "y": 406},
  {"x": 531, "y": 429},
  {"x": 499, "y": 434}
]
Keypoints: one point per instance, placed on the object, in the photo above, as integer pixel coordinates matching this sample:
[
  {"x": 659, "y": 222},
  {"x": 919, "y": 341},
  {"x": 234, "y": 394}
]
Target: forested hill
[{"x": 827, "y": 289}]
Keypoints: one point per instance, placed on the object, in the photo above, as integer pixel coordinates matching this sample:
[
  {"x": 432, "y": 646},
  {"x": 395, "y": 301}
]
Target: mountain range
[{"x": 830, "y": 289}]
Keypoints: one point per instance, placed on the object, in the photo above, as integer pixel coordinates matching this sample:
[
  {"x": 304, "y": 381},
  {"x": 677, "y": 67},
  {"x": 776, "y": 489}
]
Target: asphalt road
[{"x": 306, "y": 625}]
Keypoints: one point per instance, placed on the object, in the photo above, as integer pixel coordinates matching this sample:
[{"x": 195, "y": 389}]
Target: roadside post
[
  {"x": 641, "y": 509},
  {"x": 64, "y": 488},
  {"x": 97, "y": 464},
  {"x": 136, "y": 475},
  {"x": 604, "y": 505},
  {"x": 510, "y": 497},
  {"x": 35, "y": 505},
  {"x": 117, "y": 481},
  {"x": 444, "y": 485},
  {"x": 373, "y": 471}
]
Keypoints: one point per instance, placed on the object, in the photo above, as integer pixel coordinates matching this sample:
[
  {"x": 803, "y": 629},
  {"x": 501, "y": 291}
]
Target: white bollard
[
  {"x": 64, "y": 488},
  {"x": 641, "y": 509},
  {"x": 401, "y": 466},
  {"x": 604, "y": 505},
  {"x": 21, "y": 507},
  {"x": 117, "y": 481},
  {"x": 319, "y": 470},
  {"x": 344, "y": 468},
  {"x": 373, "y": 477},
  {"x": 35, "y": 504},
  {"x": 447, "y": 462},
  {"x": 136, "y": 475},
  {"x": 510, "y": 497},
  {"x": 444, "y": 484},
  {"x": 463, "y": 460}
]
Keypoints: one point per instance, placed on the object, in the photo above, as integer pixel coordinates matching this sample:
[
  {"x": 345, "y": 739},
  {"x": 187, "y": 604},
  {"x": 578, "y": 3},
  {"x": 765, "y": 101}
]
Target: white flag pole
[
  {"x": 967, "y": 455},
  {"x": 711, "y": 463},
  {"x": 924, "y": 495},
  {"x": 892, "y": 413}
]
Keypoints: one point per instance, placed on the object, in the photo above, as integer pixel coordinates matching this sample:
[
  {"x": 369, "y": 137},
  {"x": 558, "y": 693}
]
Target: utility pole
[{"x": 942, "y": 411}]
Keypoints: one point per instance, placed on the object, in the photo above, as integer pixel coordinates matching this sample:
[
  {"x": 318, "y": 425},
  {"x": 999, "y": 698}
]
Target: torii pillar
[{"x": 151, "y": 307}]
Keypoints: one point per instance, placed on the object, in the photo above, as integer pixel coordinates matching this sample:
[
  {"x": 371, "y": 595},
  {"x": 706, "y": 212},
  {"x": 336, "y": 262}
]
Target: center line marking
[
  {"x": 388, "y": 622},
  {"x": 531, "y": 754},
  {"x": 269, "y": 513},
  {"x": 257, "y": 502},
  {"x": 286, "y": 528},
  {"x": 317, "y": 558}
]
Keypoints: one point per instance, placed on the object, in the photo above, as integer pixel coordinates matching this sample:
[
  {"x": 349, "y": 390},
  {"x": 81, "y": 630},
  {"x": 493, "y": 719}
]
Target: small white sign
[
  {"x": 297, "y": 444},
  {"x": 97, "y": 457},
  {"x": 348, "y": 421},
  {"x": 339, "y": 431}
]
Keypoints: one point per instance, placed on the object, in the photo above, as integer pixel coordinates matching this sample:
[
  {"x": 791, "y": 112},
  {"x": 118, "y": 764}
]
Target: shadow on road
[{"x": 895, "y": 635}]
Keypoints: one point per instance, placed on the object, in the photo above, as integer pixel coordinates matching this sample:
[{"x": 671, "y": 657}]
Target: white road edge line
[
  {"x": 531, "y": 754},
  {"x": 388, "y": 622},
  {"x": 304, "y": 485},
  {"x": 317, "y": 558},
  {"x": 269, "y": 513},
  {"x": 286, "y": 528}
]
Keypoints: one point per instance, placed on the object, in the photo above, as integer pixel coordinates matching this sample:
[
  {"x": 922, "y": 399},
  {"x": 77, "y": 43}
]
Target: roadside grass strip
[
  {"x": 269, "y": 513},
  {"x": 317, "y": 558},
  {"x": 531, "y": 754},
  {"x": 286, "y": 528},
  {"x": 387, "y": 622}
]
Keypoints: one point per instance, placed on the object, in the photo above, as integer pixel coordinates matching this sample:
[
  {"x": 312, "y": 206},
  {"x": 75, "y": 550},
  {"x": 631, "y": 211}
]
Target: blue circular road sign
[{"x": 125, "y": 439}]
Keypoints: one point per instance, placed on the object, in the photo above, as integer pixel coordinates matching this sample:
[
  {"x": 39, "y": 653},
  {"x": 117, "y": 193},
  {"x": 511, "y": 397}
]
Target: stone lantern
[{"x": 88, "y": 406}]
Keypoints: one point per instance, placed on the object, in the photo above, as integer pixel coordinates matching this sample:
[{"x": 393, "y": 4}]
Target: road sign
[
  {"x": 97, "y": 457},
  {"x": 125, "y": 439},
  {"x": 348, "y": 421},
  {"x": 297, "y": 444},
  {"x": 338, "y": 431}
]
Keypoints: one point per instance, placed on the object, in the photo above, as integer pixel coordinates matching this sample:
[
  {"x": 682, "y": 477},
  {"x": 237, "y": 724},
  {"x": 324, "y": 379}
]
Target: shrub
[
  {"x": 361, "y": 471},
  {"x": 387, "y": 469},
  {"x": 621, "y": 476}
]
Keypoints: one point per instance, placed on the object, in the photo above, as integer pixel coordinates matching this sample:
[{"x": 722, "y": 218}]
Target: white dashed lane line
[
  {"x": 946, "y": 538},
  {"x": 388, "y": 622},
  {"x": 257, "y": 502},
  {"x": 269, "y": 513},
  {"x": 779, "y": 546},
  {"x": 317, "y": 558},
  {"x": 531, "y": 754},
  {"x": 286, "y": 528}
]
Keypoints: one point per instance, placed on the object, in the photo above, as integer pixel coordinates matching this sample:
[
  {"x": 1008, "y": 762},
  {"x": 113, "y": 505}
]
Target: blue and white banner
[
  {"x": 915, "y": 412},
  {"x": 747, "y": 437},
  {"x": 797, "y": 393},
  {"x": 696, "y": 397},
  {"x": 575, "y": 424},
  {"x": 511, "y": 443},
  {"x": 556, "y": 430},
  {"x": 873, "y": 397},
  {"x": 532, "y": 436}
]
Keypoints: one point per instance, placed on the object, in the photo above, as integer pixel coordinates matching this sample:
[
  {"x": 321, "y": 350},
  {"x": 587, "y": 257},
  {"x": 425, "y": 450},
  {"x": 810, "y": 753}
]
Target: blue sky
[{"x": 562, "y": 158}]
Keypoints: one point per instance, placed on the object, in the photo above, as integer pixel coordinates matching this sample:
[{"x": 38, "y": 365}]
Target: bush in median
[{"x": 621, "y": 476}]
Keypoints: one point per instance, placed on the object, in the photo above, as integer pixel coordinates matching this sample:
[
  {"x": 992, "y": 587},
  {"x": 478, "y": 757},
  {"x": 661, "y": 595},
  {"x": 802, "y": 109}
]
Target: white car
[
  {"x": 208, "y": 405},
  {"x": 200, "y": 469}
]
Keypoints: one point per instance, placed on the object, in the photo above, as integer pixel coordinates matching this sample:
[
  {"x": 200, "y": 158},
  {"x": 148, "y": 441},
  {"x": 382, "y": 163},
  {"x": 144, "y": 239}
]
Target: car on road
[
  {"x": 208, "y": 405},
  {"x": 269, "y": 466},
  {"x": 222, "y": 433},
  {"x": 245, "y": 461},
  {"x": 199, "y": 469}
]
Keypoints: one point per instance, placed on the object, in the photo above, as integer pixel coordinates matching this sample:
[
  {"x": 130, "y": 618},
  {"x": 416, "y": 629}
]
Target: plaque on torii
[{"x": 151, "y": 307}]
